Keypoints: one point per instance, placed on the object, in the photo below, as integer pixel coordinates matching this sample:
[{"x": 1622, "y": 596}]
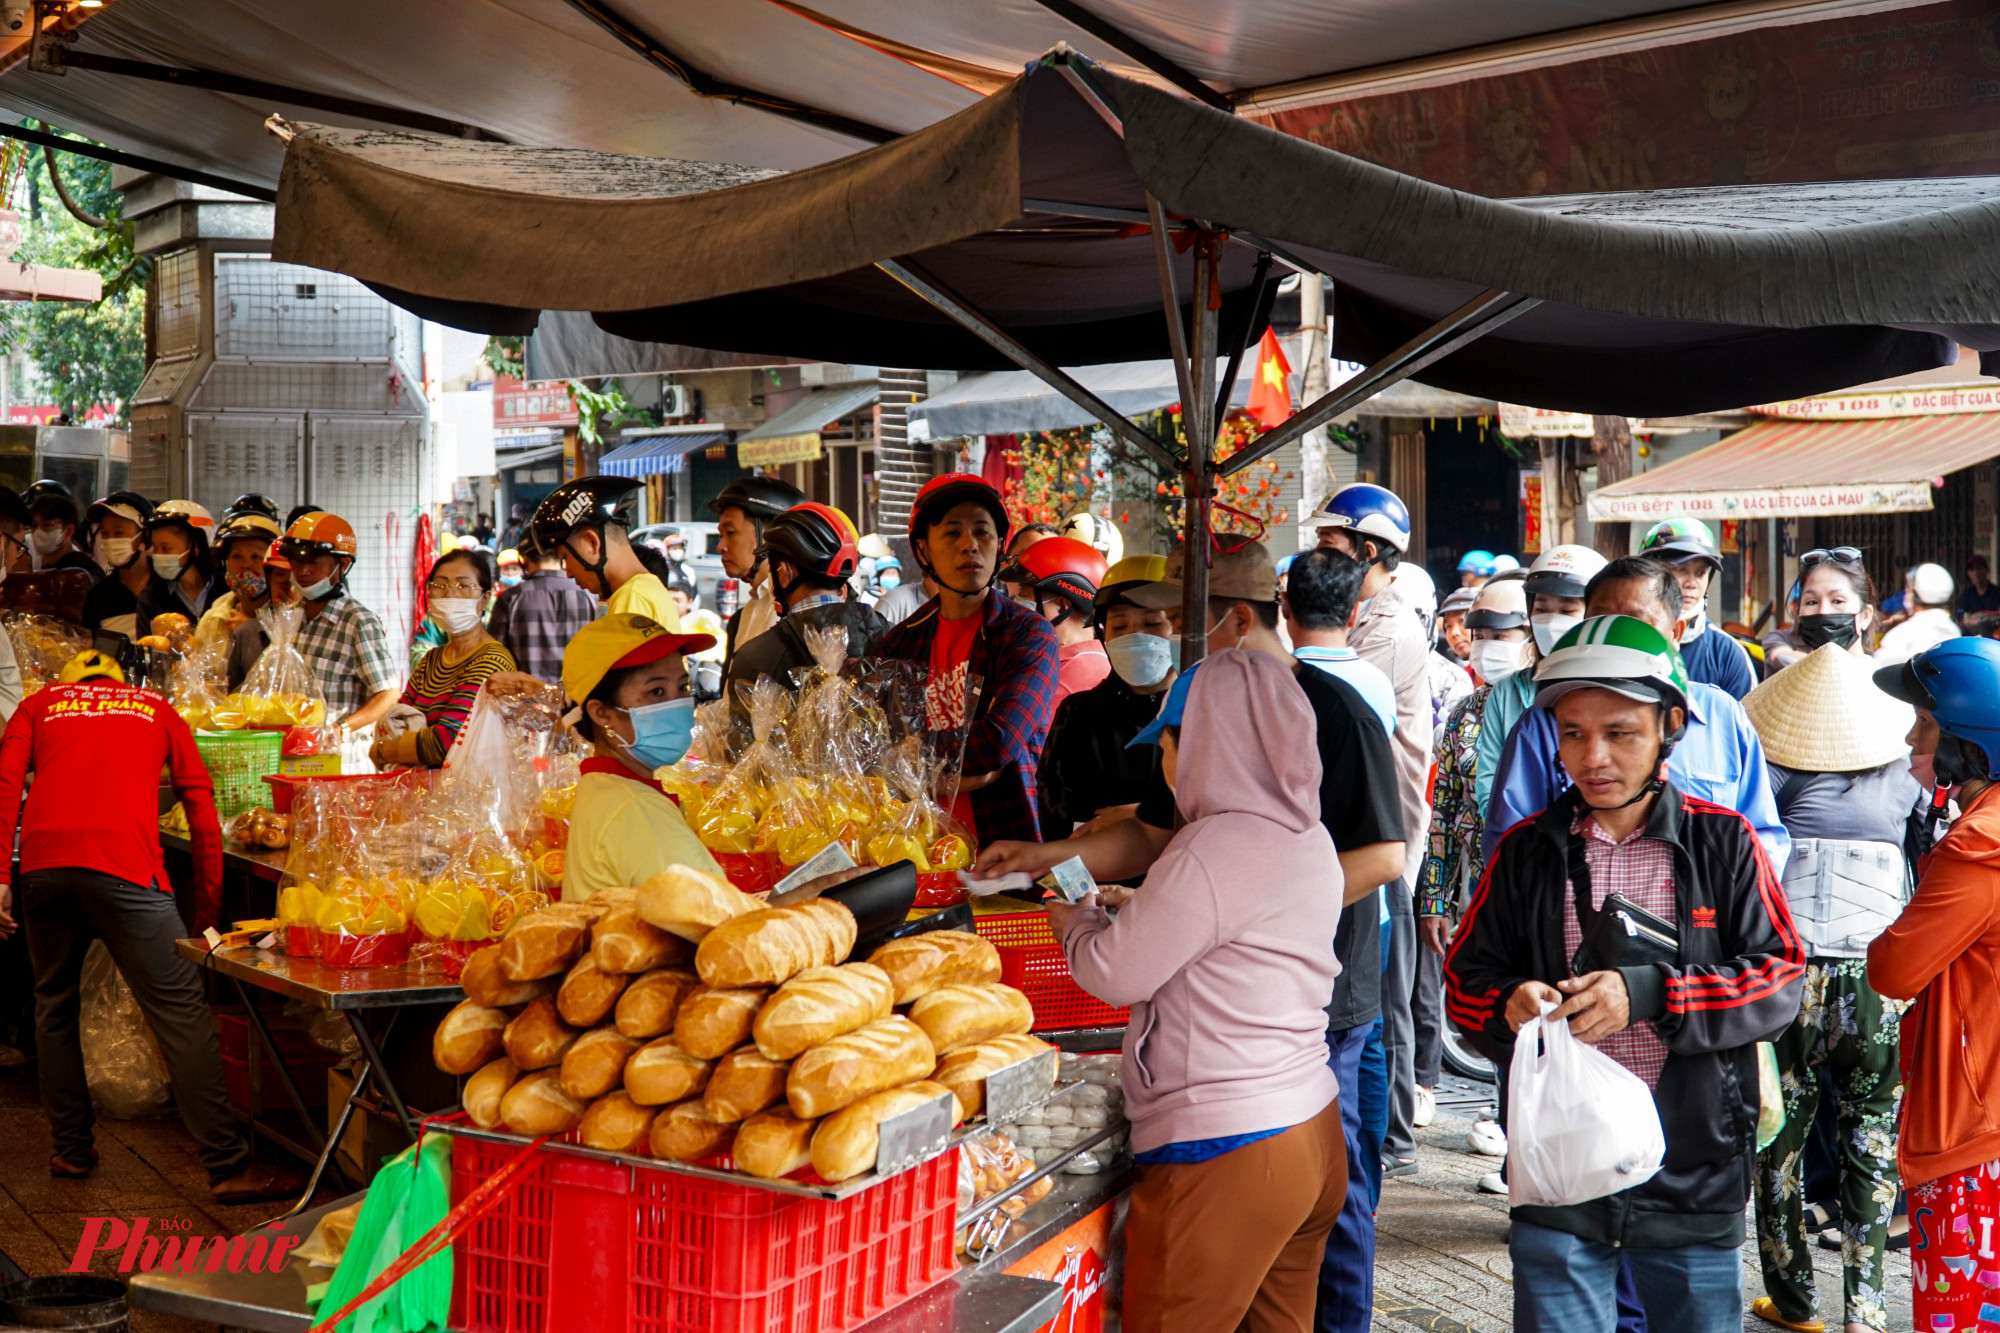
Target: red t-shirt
[
  {"x": 96, "y": 751},
  {"x": 946, "y": 695}
]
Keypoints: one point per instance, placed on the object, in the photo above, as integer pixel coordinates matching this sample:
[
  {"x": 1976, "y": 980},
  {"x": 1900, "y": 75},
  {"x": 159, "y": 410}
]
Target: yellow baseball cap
[
  {"x": 612, "y": 642},
  {"x": 90, "y": 665}
]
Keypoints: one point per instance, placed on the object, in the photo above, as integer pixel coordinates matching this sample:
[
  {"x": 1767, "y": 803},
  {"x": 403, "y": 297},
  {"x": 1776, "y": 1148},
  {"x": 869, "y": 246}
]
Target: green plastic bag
[
  {"x": 411, "y": 1194},
  {"x": 1770, "y": 1096}
]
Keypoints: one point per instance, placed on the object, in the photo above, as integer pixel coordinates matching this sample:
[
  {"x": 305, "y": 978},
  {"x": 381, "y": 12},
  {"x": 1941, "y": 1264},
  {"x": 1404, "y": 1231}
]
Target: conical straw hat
[{"x": 1823, "y": 714}]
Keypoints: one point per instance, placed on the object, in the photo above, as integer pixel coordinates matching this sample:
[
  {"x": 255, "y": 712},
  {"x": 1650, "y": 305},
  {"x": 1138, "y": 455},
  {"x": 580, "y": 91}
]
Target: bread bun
[
  {"x": 588, "y": 993},
  {"x": 660, "y": 1072},
  {"x": 743, "y": 1083},
  {"x": 468, "y": 1037},
  {"x": 686, "y": 1132},
  {"x": 965, "y": 1015},
  {"x": 713, "y": 1022},
  {"x": 689, "y": 903},
  {"x": 820, "y": 1004},
  {"x": 623, "y": 942},
  {"x": 484, "y": 1090},
  {"x": 616, "y": 1123},
  {"x": 964, "y": 1071},
  {"x": 885, "y": 1054},
  {"x": 652, "y": 1002},
  {"x": 773, "y": 1144},
  {"x": 485, "y": 985},
  {"x": 919, "y": 964},
  {"x": 537, "y": 1105},
  {"x": 595, "y": 1064},
  {"x": 547, "y": 942},
  {"x": 770, "y": 947},
  {"x": 538, "y": 1038},
  {"x": 845, "y": 1144}
]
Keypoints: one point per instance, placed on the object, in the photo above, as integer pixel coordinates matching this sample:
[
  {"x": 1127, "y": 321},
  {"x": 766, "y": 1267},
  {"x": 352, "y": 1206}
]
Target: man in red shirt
[{"x": 91, "y": 868}]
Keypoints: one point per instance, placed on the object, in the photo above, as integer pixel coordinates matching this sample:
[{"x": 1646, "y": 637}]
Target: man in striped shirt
[{"x": 536, "y": 618}]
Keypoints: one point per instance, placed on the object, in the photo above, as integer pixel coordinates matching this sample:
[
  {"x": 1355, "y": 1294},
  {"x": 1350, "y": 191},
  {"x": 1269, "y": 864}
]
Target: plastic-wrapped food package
[
  {"x": 728, "y": 823},
  {"x": 121, "y": 1058},
  {"x": 919, "y": 831},
  {"x": 279, "y": 691},
  {"x": 42, "y": 646}
]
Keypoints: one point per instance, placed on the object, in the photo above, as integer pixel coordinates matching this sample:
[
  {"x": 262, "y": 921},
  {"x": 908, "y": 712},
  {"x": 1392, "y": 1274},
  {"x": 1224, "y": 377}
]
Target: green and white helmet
[{"x": 1617, "y": 653}]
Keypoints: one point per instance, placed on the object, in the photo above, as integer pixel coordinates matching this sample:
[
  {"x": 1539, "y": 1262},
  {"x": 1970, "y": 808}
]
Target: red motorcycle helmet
[
  {"x": 939, "y": 494},
  {"x": 814, "y": 539},
  {"x": 1062, "y": 567}
]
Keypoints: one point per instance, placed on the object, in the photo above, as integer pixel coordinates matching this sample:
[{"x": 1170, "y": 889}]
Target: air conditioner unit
[{"x": 677, "y": 400}]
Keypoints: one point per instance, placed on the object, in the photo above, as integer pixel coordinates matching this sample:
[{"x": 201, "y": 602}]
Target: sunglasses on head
[{"x": 1838, "y": 555}]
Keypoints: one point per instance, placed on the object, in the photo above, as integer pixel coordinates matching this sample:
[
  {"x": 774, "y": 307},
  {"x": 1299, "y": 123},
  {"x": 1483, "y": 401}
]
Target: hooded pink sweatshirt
[{"x": 1225, "y": 953}]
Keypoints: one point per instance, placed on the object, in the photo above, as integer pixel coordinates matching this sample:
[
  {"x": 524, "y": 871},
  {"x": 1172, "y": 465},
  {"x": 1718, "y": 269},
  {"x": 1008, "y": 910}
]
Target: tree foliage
[{"x": 89, "y": 356}]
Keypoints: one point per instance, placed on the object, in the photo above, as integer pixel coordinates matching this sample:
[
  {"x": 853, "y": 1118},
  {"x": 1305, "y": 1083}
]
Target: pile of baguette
[{"x": 686, "y": 1020}]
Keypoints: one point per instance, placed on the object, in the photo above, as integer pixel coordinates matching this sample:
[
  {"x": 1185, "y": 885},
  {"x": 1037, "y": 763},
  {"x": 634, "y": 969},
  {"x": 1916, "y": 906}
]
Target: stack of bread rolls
[{"x": 684, "y": 1019}]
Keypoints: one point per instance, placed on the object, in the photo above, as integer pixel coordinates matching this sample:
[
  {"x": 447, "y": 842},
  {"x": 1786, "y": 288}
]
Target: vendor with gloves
[
  {"x": 448, "y": 677},
  {"x": 91, "y": 869},
  {"x": 627, "y": 676}
]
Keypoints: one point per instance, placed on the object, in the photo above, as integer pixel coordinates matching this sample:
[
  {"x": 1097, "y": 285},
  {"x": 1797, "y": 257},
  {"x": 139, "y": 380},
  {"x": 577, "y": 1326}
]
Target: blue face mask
[
  {"x": 889, "y": 578},
  {"x": 661, "y": 733},
  {"x": 1142, "y": 660}
]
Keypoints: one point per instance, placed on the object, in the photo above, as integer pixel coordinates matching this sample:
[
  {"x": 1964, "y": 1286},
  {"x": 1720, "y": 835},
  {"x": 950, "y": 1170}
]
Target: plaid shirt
[
  {"x": 1641, "y": 870},
  {"x": 348, "y": 655},
  {"x": 1014, "y": 659},
  {"x": 536, "y": 619}
]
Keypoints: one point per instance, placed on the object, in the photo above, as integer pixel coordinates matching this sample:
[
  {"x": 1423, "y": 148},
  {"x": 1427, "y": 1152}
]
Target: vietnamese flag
[{"x": 1270, "y": 389}]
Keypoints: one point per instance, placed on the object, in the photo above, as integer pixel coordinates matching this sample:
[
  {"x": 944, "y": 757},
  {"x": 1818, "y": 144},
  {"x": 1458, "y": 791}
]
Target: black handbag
[{"x": 1619, "y": 933}]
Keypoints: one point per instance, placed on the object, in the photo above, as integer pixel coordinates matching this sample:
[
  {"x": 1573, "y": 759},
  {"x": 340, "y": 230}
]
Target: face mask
[
  {"x": 1818, "y": 631},
  {"x": 317, "y": 592},
  {"x": 1496, "y": 659},
  {"x": 169, "y": 567},
  {"x": 1550, "y": 629},
  {"x": 1141, "y": 660},
  {"x": 510, "y": 580},
  {"x": 249, "y": 586},
  {"x": 1923, "y": 767},
  {"x": 454, "y": 615},
  {"x": 47, "y": 541},
  {"x": 661, "y": 733},
  {"x": 115, "y": 552},
  {"x": 889, "y": 579}
]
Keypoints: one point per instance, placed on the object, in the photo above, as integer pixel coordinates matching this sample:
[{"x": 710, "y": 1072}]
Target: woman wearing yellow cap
[{"x": 627, "y": 676}]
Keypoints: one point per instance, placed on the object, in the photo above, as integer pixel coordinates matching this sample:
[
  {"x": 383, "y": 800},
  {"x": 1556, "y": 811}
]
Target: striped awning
[
  {"x": 652, "y": 455},
  {"x": 1790, "y": 469}
]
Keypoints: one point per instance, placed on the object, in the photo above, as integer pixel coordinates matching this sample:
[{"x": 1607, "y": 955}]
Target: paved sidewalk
[{"x": 1441, "y": 1251}]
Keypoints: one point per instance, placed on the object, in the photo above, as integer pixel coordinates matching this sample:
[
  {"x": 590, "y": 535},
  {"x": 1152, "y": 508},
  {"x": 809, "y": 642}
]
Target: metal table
[
  {"x": 970, "y": 1302},
  {"x": 351, "y": 992}
]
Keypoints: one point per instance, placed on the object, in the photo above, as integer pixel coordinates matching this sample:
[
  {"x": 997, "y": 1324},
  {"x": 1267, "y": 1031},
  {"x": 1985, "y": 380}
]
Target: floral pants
[
  {"x": 1846, "y": 1028},
  {"x": 1954, "y": 1268}
]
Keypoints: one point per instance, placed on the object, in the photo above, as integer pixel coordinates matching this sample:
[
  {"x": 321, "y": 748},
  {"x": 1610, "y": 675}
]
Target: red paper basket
[
  {"x": 583, "y": 1244},
  {"x": 1033, "y": 963}
]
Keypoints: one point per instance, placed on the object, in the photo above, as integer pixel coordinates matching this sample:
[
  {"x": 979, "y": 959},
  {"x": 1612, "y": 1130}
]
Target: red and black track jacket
[{"x": 1737, "y": 982}]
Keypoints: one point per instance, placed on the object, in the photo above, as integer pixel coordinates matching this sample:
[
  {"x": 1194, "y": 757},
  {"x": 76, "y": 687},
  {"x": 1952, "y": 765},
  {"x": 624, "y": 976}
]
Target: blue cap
[{"x": 1170, "y": 711}]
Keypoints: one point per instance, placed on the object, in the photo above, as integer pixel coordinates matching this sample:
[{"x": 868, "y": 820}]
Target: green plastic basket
[{"x": 238, "y": 762}]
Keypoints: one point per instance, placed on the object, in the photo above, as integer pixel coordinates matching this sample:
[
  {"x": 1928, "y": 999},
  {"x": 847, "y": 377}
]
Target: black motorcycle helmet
[
  {"x": 762, "y": 498},
  {"x": 251, "y": 502},
  {"x": 46, "y": 487},
  {"x": 588, "y": 502}
]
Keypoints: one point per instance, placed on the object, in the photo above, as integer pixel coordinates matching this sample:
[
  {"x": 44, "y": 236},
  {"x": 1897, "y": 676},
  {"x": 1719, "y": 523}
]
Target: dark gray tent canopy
[{"x": 1030, "y": 207}]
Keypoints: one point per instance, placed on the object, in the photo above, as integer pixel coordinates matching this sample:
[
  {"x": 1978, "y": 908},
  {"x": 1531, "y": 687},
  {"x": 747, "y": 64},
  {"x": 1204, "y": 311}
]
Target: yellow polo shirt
[
  {"x": 623, "y": 831},
  {"x": 645, "y": 595}
]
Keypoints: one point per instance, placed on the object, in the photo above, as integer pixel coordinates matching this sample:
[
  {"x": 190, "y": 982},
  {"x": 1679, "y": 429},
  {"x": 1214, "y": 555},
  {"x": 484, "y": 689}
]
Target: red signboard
[
  {"x": 1904, "y": 92},
  {"x": 43, "y": 414},
  {"x": 1076, "y": 1259},
  {"x": 537, "y": 403}
]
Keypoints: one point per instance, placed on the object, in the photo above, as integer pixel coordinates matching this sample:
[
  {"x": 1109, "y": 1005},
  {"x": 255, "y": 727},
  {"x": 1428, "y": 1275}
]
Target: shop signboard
[
  {"x": 519, "y": 406},
  {"x": 1077, "y": 1258},
  {"x": 1945, "y": 400},
  {"x": 1520, "y": 423},
  {"x": 1875, "y": 497},
  {"x": 1531, "y": 513}
]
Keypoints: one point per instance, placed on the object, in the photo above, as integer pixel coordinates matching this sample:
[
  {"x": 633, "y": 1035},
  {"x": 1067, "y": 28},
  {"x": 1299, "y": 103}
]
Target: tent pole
[
  {"x": 943, "y": 298},
  {"x": 1198, "y": 422},
  {"x": 1170, "y": 300},
  {"x": 1470, "y": 322},
  {"x": 1265, "y": 295}
]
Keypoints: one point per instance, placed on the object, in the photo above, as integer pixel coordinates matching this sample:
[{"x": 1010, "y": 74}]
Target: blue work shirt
[{"x": 1719, "y": 759}]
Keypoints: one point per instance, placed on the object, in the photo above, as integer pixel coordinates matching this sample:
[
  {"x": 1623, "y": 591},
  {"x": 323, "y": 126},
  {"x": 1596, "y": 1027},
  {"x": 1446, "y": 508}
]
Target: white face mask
[
  {"x": 47, "y": 541},
  {"x": 1142, "y": 660},
  {"x": 455, "y": 615},
  {"x": 1550, "y": 629},
  {"x": 1497, "y": 659},
  {"x": 169, "y": 567},
  {"x": 115, "y": 552}
]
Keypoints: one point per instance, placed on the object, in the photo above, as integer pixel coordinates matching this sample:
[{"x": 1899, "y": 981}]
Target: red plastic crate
[
  {"x": 1033, "y": 963},
  {"x": 584, "y": 1244}
]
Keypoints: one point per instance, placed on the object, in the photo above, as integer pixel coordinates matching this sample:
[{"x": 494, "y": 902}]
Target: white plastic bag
[
  {"x": 122, "y": 1063},
  {"x": 1579, "y": 1124}
]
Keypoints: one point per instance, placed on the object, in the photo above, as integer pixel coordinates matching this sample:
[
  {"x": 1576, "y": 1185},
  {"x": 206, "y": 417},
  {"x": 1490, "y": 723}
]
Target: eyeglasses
[
  {"x": 1838, "y": 555},
  {"x": 454, "y": 588}
]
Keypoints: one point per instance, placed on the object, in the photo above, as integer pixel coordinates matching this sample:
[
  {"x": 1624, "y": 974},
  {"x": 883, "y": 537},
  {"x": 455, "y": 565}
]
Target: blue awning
[{"x": 651, "y": 455}]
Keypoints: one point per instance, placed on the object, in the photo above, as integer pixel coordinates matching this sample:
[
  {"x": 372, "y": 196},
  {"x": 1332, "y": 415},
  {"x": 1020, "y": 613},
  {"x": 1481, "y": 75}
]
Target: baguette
[
  {"x": 685, "y": 1132},
  {"x": 689, "y": 903},
  {"x": 484, "y": 1090},
  {"x": 468, "y": 1037},
  {"x": 595, "y": 1064},
  {"x": 651, "y": 1003},
  {"x": 537, "y": 1105},
  {"x": 743, "y": 1083},
  {"x": 818, "y": 1005},
  {"x": 588, "y": 993},
  {"x": 772, "y": 1144},
  {"x": 886, "y": 1054},
  {"x": 546, "y": 943},
  {"x": 660, "y": 1072},
  {"x": 485, "y": 985},
  {"x": 538, "y": 1038},
  {"x": 712, "y": 1022},
  {"x": 845, "y": 1143},
  {"x": 623, "y": 942},
  {"x": 919, "y": 964},
  {"x": 616, "y": 1123},
  {"x": 964, "y": 1071},
  {"x": 770, "y": 947},
  {"x": 959, "y": 1016}
]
